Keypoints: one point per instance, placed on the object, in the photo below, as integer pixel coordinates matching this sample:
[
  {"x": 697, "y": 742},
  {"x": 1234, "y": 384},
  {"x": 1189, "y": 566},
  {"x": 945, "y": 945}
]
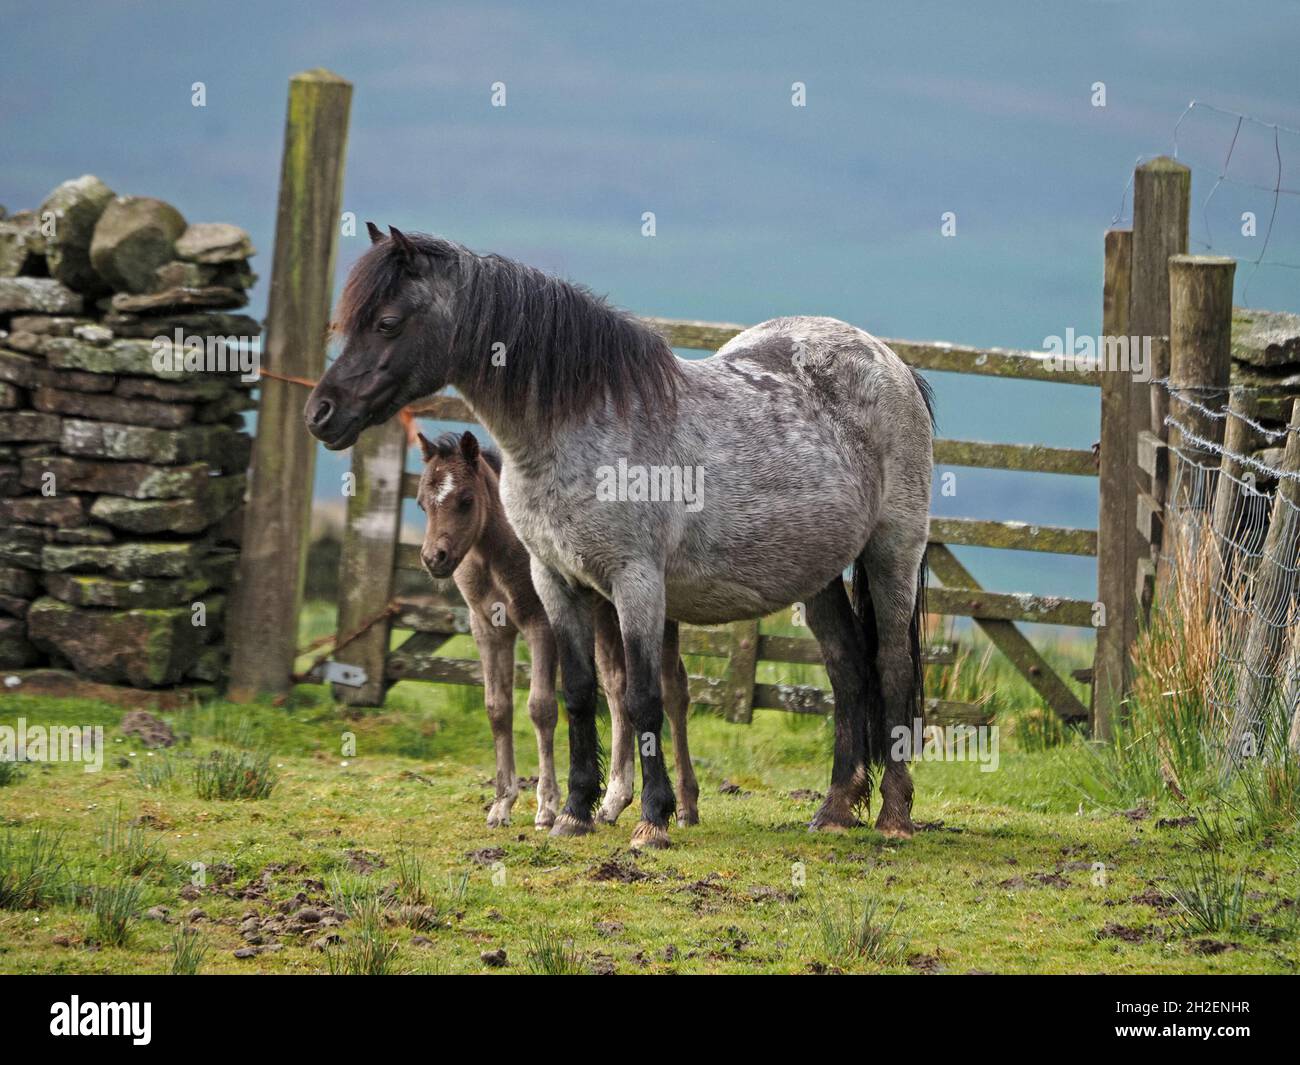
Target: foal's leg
[
  {"x": 569, "y": 610},
  {"x": 677, "y": 702},
  {"x": 639, "y": 598},
  {"x": 544, "y": 712},
  {"x": 838, "y": 631},
  {"x": 613, "y": 677},
  {"x": 496, "y": 648},
  {"x": 892, "y": 558}
]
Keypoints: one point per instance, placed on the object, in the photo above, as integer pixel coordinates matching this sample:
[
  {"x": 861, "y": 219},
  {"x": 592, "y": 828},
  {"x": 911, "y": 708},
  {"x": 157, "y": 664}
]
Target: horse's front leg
[
  {"x": 610, "y": 663},
  {"x": 496, "y": 648},
  {"x": 544, "y": 712},
  {"x": 639, "y": 599},
  {"x": 569, "y": 610}
]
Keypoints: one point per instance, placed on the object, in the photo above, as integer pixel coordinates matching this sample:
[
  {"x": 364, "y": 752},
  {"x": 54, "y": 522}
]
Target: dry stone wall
[{"x": 124, "y": 372}]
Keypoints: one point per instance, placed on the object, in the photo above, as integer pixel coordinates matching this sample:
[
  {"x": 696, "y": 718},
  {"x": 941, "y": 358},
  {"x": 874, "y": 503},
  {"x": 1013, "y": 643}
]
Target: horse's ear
[
  {"x": 427, "y": 448},
  {"x": 404, "y": 245},
  {"x": 376, "y": 234},
  {"x": 469, "y": 447}
]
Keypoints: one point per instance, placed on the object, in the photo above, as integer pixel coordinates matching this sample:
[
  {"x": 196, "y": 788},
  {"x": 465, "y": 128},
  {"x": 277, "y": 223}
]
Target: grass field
[{"x": 380, "y": 861}]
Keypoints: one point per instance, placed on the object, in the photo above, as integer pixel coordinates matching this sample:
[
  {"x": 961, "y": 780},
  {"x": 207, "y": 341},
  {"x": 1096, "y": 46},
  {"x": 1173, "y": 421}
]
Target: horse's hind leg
[
  {"x": 613, "y": 677},
  {"x": 838, "y": 631},
  {"x": 892, "y": 560},
  {"x": 677, "y": 704}
]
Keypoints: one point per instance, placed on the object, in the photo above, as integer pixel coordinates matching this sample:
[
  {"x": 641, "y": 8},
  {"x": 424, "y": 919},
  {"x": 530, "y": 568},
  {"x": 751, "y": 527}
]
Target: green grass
[{"x": 388, "y": 851}]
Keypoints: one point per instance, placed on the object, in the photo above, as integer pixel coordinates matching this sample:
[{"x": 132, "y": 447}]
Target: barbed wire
[{"x": 1222, "y": 413}]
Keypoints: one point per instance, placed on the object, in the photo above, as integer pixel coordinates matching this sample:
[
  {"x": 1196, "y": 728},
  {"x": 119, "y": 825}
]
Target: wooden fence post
[
  {"x": 1272, "y": 606},
  {"x": 367, "y": 558},
  {"x": 742, "y": 665},
  {"x": 1162, "y": 190},
  {"x": 1116, "y": 568},
  {"x": 1225, "y": 517},
  {"x": 1200, "y": 365},
  {"x": 264, "y": 615}
]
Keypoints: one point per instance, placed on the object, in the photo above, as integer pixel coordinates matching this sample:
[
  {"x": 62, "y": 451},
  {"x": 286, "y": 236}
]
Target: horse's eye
[
  {"x": 466, "y": 502},
  {"x": 389, "y": 324}
]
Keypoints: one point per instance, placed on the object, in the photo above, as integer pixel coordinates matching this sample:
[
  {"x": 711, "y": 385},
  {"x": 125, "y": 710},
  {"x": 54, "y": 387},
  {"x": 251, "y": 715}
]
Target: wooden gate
[{"x": 372, "y": 544}]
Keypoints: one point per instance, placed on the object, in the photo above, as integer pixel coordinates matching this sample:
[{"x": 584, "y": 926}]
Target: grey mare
[{"x": 806, "y": 445}]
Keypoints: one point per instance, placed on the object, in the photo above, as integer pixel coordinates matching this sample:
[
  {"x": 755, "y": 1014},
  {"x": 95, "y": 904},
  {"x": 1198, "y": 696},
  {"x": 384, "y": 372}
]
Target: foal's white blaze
[{"x": 444, "y": 489}]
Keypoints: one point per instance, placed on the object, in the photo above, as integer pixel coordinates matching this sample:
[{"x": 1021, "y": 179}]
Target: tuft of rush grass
[
  {"x": 10, "y": 772},
  {"x": 188, "y": 951},
  {"x": 128, "y": 847},
  {"x": 34, "y": 869},
  {"x": 551, "y": 953},
  {"x": 1210, "y": 898},
  {"x": 366, "y": 949},
  {"x": 228, "y": 775},
  {"x": 158, "y": 772},
  {"x": 113, "y": 906},
  {"x": 849, "y": 930}
]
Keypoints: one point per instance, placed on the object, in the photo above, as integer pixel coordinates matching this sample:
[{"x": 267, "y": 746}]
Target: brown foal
[{"x": 468, "y": 538}]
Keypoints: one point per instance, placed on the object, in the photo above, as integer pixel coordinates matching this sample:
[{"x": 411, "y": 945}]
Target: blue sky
[{"x": 762, "y": 208}]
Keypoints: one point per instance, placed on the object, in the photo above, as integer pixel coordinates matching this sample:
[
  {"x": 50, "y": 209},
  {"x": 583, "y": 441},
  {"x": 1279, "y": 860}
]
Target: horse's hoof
[
  {"x": 896, "y": 831},
  {"x": 833, "y": 819},
  {"x": 686, "y": 818},
  {"x": 569, "y": 825},
  {"x": 498, "y": 820},
  {"x": 607, "y": 817},
  {"x": 650, "y": 835},
  {"x": 543, "y": 822}
]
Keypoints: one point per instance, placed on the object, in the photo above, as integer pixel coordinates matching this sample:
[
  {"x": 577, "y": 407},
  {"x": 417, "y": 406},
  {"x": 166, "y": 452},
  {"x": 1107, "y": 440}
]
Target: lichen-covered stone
[
  {"x": 84, "y": 534},
  {"x": 19, "y": 582},
  {"x": 16, "y": 650},
  {"x": 134, "y": 236},
  {"x": 113, "y": 408},
  {"x": 29, "y": 426},
  {"x": 220, "y": 497},
  {"x": 145, "y": 647},
  {"x": 81, "y": 589},
  {"x": 211, "y": 297},
  {"x": 42, "y": 294},
  {"x": 76, "y": 207},
  {"x": 21, "y": 545},
  {"x": 205, "y": 387},
  {"x": 27, "y": 372},
  {"x": 21, "y": 245},
  {"x": 60, "y": 510},
  {"x": 204, "y": 325},
  {"x": 133, "y": 479},
  {"x": 214, "y": 242},
  {"x": 218, "y": 444},
  {"x": 121, "y": 356},
  {"x": 10, "y": 397},
  {"x": 125, "y": 560},
  {"x": 10, "y": 479},
  {"x": 46, "y": 324}
]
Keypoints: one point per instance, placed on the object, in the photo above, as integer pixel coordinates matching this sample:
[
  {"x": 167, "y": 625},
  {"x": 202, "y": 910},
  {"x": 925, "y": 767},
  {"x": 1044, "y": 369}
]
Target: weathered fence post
[
  {"x": 1200, "y": 354},
  {"x": 1116, "y": 567},
  {"x": 367, "y": 558},
  {"x": 1225, "y": 518},
  {"x": 1162, "y": 191},
  {"x": 1273, "y": 603},
  {"x": 264, "y": 616},
  {"x": 742, "y": 665}
]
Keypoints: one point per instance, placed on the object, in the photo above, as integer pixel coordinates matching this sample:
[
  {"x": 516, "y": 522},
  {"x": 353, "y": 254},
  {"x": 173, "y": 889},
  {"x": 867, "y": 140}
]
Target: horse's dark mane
[
  {"x": 448, "y": 444},
  {"x": 565, "y": 348}
]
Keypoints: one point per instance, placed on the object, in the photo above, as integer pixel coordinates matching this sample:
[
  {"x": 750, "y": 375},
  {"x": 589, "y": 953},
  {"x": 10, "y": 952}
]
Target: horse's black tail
[{"x": 877, "y": 732}]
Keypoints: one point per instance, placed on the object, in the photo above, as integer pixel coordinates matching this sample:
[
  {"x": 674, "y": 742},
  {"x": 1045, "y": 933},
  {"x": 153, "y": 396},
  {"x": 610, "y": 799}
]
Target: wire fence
[{"x": 1229, "y": 563}]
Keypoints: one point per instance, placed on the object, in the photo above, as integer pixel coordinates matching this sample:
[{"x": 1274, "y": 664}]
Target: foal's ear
[
  {"x": 469, "y": 447},
  {"x": 376, "y": 234},
  {"x": 427, "y": 448},
  {"x": 404, "y": 245}
]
